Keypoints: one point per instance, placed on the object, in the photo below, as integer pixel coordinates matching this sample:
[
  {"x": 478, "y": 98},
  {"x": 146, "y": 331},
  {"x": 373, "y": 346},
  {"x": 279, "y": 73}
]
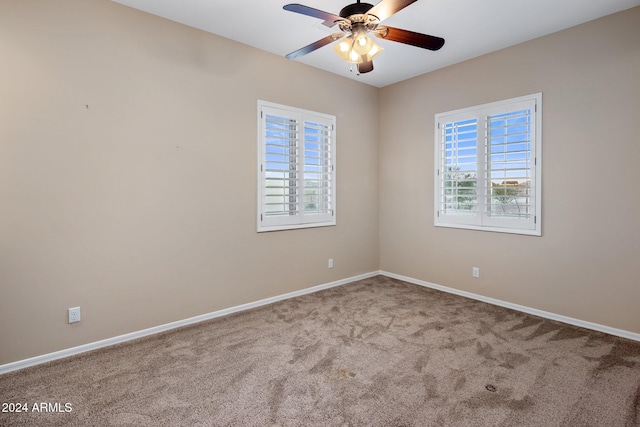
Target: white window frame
[
  {"x": 481, "y": 218},
  {"x": 304, "y": 171}
]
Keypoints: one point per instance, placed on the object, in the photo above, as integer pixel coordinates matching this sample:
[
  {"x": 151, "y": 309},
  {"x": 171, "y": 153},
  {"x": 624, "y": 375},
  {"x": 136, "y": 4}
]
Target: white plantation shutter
[
  {"x": 509, "y": 173},
  {"x": 296, "y": 168},
  {"x": 318, "y": 168},
  {"x": 458, "y": 191},
  {"x": 280, "y": 183},
  {"x": 488, "y": 167}
]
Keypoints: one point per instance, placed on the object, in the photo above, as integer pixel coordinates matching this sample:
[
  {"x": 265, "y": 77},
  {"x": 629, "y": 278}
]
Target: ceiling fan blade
[
  {"x": 386, "y": 8},
  {"x": 315, "y": 45},
  {"x": 409, "y": 37},
  {"x": 365, "y": 67},
  {"x": 315, "y": 13}
]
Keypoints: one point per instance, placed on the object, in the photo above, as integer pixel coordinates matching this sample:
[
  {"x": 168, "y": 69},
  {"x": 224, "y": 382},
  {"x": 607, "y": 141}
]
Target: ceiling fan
[{"x": 355, "y": 22}]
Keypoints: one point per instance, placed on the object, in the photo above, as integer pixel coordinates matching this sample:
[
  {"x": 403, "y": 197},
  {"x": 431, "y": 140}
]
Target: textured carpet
[{"x": 378, "y": 352}]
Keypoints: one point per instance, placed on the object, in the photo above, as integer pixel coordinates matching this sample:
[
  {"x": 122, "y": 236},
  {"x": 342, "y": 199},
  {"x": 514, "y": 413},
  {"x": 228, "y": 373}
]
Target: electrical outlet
[
  {"x": 74, "y": 314},
  {"x": 475, "y": 272},
  {"x": 330, "y": 264}
]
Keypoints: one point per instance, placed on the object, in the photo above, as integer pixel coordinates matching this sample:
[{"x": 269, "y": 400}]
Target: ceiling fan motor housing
[
  {"x": 355, "y": 9},
  {"x": 356, "y": 19}
]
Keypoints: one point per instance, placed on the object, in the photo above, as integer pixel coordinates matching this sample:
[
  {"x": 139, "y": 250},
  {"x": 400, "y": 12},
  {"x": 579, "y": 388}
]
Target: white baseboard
[
  {"x": 21, "y": 364},
  {"x": 564, "y": 319}
]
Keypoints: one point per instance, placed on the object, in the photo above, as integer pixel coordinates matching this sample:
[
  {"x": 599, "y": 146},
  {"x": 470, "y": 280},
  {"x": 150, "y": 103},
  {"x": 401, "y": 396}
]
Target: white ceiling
[{"x": 470, "y": 27}]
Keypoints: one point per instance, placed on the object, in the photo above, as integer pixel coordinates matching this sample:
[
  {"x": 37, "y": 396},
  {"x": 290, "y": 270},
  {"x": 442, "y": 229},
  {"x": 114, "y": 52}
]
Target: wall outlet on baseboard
[
  {"x": 475, "y": 272},
  {"x": 330, "y": 263},
  {"x": 74, "y": 314}
]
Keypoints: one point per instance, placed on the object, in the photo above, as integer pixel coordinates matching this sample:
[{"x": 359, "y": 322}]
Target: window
[
  {"x": 296, "y": 168},
  {"x": 488, "y": 166}
]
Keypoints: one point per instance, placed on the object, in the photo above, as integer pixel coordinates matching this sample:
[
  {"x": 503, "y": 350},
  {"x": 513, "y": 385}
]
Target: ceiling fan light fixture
[{"x": 357, "y": 51}]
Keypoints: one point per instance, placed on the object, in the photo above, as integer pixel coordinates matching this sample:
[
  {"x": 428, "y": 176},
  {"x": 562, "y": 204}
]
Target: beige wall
[
  {"x": 141, "y": 207},
  {"x": 587, "y": 263}
]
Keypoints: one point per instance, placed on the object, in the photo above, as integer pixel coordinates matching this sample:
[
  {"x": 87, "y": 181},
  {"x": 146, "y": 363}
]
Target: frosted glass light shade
[
  {"x": 345, "y": 50},
  {"x": 374, "y": 51}
]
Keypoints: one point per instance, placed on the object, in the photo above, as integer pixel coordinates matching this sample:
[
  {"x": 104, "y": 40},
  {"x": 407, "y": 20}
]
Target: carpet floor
[{"x": 377, "y": 352}]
